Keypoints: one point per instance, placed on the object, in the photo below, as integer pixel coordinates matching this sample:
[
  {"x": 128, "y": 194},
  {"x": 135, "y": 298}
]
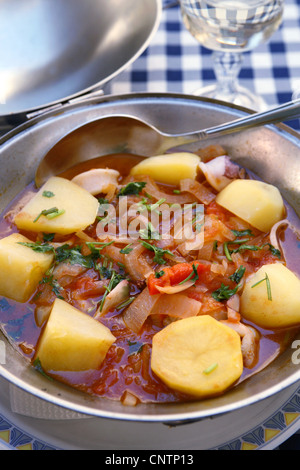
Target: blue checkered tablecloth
[{"x": 175, "y": 62}]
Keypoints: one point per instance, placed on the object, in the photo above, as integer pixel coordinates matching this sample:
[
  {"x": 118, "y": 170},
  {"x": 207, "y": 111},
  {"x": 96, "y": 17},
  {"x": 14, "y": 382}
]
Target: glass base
[{"x": 239, "y": 96}]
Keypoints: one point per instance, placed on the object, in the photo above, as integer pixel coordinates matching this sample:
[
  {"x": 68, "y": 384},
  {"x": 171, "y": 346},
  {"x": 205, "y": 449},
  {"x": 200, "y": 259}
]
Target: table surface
[{"x": 175, "y": 62}]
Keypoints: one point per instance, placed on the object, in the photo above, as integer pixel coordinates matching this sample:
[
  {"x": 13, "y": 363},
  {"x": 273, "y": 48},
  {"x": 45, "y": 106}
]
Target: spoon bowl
[{"x": 128, "y": 134}]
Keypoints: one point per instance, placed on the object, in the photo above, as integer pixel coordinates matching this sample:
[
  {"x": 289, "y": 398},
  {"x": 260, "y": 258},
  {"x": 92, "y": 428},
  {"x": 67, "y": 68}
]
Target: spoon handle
[{"x": 281, "y": 113}]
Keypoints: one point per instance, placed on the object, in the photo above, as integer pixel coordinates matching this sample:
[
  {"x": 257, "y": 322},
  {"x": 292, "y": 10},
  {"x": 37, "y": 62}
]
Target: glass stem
[{"x": 227, "y": 67}]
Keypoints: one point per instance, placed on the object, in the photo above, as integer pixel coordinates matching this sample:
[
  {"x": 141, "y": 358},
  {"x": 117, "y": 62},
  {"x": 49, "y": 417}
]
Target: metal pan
[
  {"x": 272, "y": 152},
  {"x": 55, "y": 51}
]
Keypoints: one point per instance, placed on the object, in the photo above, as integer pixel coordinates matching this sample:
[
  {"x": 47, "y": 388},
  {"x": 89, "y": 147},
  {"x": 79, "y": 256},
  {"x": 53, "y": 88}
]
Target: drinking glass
[{"x": 229, "y": 28}]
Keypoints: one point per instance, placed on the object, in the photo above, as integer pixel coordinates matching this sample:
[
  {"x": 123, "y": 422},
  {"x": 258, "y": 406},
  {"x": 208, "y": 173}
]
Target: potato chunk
[
  {"x": 76, "y": 207},
  {"x": 260, "y": 204},
  {"x": 169, "y": 168},
  {"x": 271, "y": 297},
  {"x": 21, "y": 268},
  {"x": 72, "y": 340},
  {"x": 198, "y": 356}
]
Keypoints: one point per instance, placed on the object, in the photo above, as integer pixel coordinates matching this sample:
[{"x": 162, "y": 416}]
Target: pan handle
[{"x": 83, "y": 97}]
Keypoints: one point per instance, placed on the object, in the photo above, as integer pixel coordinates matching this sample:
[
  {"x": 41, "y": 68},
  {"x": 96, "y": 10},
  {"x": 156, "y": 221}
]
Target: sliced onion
[
  {"x": 42, "y": 313},
  {"x": 137, "y": 312},
  {"x": 177, "y": 305},
  {"x": 152, "y": 189},
  {"x": 233, "y": 315},
  {"x": 113, "y": 299},
  {"x": 198, "y": 190},
  {"x": 175, "y": 289},
  {"x": 114, "y": 253},
  {"x": 218, "y": 268},
  {"x": 85, "y": 237},
  {"x": 234, "y": 302},
  {"x": 214, "y": 229},
  {"x": 273, "y": 233},
  {"x": 206, "y": 252},
  {"x": 137, "y": 266},
  {"x": 129, "y": 399}
]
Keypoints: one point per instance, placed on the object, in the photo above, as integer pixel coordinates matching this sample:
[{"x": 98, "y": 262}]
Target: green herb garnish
[
  {"x": 38, "y": 366},
  {"x": 48, "y": 237},
  {"x": 149, "y": 233},
  {"x": 50, "y": 213},
  {"x": 210, "y": 369},
  {"x": 159, "y": 252},
  {"x": 102, "y": 200},
  {"x": 227, "y": 252},
  {"x": 268, "y": 284},
  {"x": 224, "y": 293},
  {"x": 135, "y": 347},
  {"x": 114, "y": 281},
  {"x": 48, "y": 194},
  {"x": 238, "y": 274},
  {"x": 274, "y": 251},
  {"x": 133, "y": 188},
  {"x": 38, "y": 247},
  {"x": 125, "y": 303},
  {"x": 193, "y": 273},
  {"x": 73, "y": 255},
  {"x": 159, "y": 274},
  {"x": 127, "y": 249},
  {"x": 56, "y": 288},
  {"x": 242, "y": 233}
]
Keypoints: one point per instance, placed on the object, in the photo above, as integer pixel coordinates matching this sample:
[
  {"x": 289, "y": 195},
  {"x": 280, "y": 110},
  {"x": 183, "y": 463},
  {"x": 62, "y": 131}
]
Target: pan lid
[{"x": 53, "y": 51}]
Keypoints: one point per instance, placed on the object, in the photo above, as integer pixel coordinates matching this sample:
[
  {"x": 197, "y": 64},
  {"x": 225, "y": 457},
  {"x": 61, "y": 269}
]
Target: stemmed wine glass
[{"x": 229, "y": 28}]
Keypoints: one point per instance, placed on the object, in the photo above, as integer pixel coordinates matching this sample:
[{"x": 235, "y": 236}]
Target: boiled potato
[
  {"x": 77, "y": 208},
  {"x": 72, "y": 340},
  {"x": 198, "y": 356},
  {"x": 169, "y": 168},
  {"x": 275, "y": 301},
  {"x": 21, "y": 268},
  {"x": 260, "y": 204}
]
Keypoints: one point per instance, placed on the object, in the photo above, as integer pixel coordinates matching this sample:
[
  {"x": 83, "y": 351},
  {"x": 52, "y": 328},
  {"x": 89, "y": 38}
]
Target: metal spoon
[{"x": 127, "y": 134}]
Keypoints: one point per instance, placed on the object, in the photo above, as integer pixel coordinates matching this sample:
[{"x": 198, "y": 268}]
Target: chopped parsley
[
  {"x": 242, "y": 233},
  {"x": 114, "y": 281},
  {"x": 224, "y": 293},
  {"x": 238, "y": 274},
  {"x": 135, "y": 347},
  {"x": 56, "y": 288},
  {"x": 159, "y": 252},
  {"x": 149, "y": 233},
  {"x": 102, "y": 200},
  {"x": 268, "y": 284},
  {"x": 125, "y": 303},
  {"x": 38, "y": 366},
  {"x": 193, "y": 273},
  {"x": 274, "y": 251},
  {"x": 48, "y": 194},
  {"x": 133, "y": 188},
  {"x": 50, "y": 213},
  {"x": 159, "y": 274},
  {"x": 38, "y": 247},
  {"x": 126, "y": 250},
  {"x": 211, "y": 368},
  {"x": 48, "y": 237},
  {"x": 73, "y": 255}
]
